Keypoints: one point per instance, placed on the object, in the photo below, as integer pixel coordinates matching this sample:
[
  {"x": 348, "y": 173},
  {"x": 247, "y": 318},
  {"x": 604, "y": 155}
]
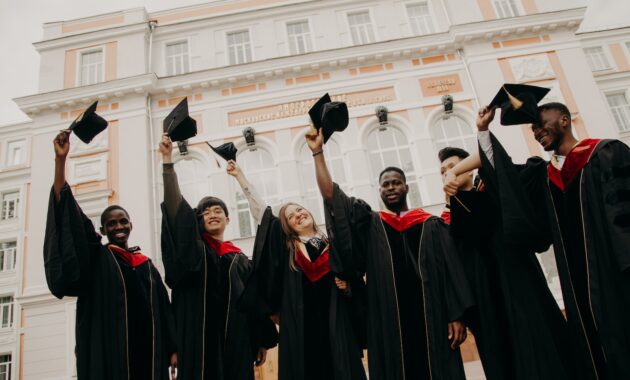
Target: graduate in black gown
[
  {"x": 519, "y": 328},
  {"x": 207, "y": 276},
  {"x": 579, "y": 201},
  {"x": 296, "y": 283},
  {"x": 416, "y": 288},
  {"x": 124, "y": 325}
]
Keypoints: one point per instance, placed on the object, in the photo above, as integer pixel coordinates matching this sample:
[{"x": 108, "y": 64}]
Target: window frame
[
  {"x": 15, "y": 256},
  {"x": 372, "y": 23},
  {"x": 606, "y": 55},
  {"x": 446, "y": 139},
  {"x": 79, "y": 64},
  {"x": 10, "y": 364},
  {"x": 247, "y": 29},
  {"x": 25, "y": 160},
  {"x": 517, "y": 3},
  {"x": 18, "y": 212},
  {"x": 431, "y": 16},
  {"x": 11, "y": 318},
  {"x": 174, "y": 42},
  {"x": 624, "y": 93},
  {"x": 310, "y": 33}
]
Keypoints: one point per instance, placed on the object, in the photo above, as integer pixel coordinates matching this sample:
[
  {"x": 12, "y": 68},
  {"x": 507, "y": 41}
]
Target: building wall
[{"x": 468, "y": 55}]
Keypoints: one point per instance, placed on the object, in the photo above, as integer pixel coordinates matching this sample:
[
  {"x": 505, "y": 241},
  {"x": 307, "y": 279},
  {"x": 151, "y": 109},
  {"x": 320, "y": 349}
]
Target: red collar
[
  {"x": 408, "y": 220},
  {"x": 446, "y": 216},
  {"x": 131, "y": 256},
  {"x": 220, "y": 247},
  {"x": 313, "y": 270},
  {"x": 575, "y": 161}
]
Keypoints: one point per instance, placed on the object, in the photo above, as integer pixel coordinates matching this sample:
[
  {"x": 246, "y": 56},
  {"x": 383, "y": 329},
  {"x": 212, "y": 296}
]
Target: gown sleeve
[
  {"x": 70, "y": 245},
  {"x": 520, "y": 192},
  {"x": 347, "y": 219},
  {"x": 167, "y": 318}
]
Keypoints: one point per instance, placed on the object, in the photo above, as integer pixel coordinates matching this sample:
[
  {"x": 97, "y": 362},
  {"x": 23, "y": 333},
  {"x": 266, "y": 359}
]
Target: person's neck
[
  {"x": 566, "y": 145},
  {"x": 218, "y": 236},
  {"x": 397, "y": 209},
  {"x": 124, "y": 245}
]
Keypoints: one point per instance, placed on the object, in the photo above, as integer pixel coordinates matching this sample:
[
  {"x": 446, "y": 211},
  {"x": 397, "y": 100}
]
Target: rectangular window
[
  {"x": 420, "y": 18},
  {"x": 16, "y": 153},
  {"x": 6, "y": 312},
  {"x": 506, "y": 8},
  {"x": 239, "y": 47},
  {"x": 5, "y": 367},
  {"x": 620, "y": 110},
  {"x": 361, "y": 28},
  {"x": 10, "y": 203},
  {"x": 177, "y": 58},
  {"x": 299, "y": 37},
  {"x": 8, "y": 252},
  {"x": 91, "y": 67},
  {"x": 596, "y": 58}
]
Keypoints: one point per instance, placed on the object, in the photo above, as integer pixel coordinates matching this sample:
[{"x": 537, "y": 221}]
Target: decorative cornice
[{"x": 82, "y": 39}]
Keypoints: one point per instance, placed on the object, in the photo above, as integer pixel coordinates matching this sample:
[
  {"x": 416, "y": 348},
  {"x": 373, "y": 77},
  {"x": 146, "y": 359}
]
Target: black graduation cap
[
  {"x": 519, "y": 103},
  {"x": 178, "y": 125},
  {"x": 329, "y": 115},
  {"x": 227, "y": 151},
  {"x": 88, "y": 124}
]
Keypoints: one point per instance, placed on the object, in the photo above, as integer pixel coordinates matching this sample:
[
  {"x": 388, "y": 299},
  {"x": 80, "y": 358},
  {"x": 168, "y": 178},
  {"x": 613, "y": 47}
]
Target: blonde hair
[{"x": 291, "y": 237}]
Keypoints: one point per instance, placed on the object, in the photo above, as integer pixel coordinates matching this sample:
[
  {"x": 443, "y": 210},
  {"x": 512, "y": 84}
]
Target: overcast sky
[{"x": 21, "y": 24}]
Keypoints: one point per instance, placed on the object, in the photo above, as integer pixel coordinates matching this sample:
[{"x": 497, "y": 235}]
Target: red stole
[
  {"x": 446, "y": 216},
  {"x": 132, "y": 257},
  {"x": 575, "y": 161},
  {"x": 220, "y": 247},
  {"x": 405, "y": 222},
  {"x": 313, "y": 270}
]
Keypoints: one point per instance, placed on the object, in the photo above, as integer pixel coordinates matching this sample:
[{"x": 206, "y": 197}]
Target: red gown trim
[
  {"x": 220, "y": 247},
  {"x": 446, "y": 216},
  {"x": 575, "y": 161},
  {"x": 134, "y": 258},
  {"x": 313, "y": 270},
  {"x": 408, "y": 220}
]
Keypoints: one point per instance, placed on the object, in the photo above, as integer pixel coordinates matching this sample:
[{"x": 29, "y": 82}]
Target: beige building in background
[{"x": 261, "y": 64}]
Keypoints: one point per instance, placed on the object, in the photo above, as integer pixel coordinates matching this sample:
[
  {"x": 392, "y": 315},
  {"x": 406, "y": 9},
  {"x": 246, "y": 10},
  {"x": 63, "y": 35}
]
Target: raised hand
[
  {"x": 233, "y": 169},
  {"x": 62, "y": 144},
  {"x": 261, "y": 357},
  {"x": 485, "y": 117},
  {"x": 166, "y": 148},
  {"x": 456, "y": 333},
  {"x": 451, "y": 184},
  {"x": 315, "y": 140}
]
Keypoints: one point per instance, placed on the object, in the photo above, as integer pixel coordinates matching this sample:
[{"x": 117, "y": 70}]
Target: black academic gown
[
  {"x": 217, "y": 341},
  {"x": 520, "y": 331},
  {"x": 589, "y": 225},
  {"x": 320, "y": 328},
  {"x": 415, "y": 287},
  {"x": 124, "y": 326}
]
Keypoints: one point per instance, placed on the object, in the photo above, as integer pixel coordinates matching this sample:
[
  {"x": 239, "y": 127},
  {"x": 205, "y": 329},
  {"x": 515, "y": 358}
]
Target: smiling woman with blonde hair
[{"x": 297, "y": 284}]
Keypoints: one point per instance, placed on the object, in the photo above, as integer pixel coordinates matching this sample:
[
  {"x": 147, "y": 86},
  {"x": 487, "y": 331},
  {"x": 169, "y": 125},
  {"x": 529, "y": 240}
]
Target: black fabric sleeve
[
  {"x": 614, "y": 165},
  {"x": 172, "y": 194},
  {"x": 70, "y": 244},
  {"x": 519, "y": 192},
  {"x": 347, "y": 219},
  {"x": 182, "y": 246},
  {"x": 167, "y": 317}
]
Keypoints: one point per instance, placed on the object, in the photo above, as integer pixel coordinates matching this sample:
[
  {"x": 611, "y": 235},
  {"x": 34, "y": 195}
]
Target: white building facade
[{"x": 261, "y": 64}]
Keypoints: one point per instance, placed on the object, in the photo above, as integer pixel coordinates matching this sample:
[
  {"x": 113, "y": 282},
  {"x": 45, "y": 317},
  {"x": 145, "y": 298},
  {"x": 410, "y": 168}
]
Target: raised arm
[
  {"x": 315, "y": 143},
  {"x": 62, "y": 147},
  {"x": 172, "y": 194},
  {"x": 256, "y": 203}
]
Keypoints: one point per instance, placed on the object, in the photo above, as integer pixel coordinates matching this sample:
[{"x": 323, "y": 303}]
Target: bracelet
[{"x": 316, "y": 153}]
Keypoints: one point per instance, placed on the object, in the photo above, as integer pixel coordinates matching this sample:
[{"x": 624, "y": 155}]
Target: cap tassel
[{"x": 514, "y": 101}]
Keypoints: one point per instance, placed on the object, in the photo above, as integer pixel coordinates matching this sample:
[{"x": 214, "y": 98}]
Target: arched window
[
  {"x": 334, "y": 160},
  {"x": 258, "y": 166},
  {"x": 389, "y": 147},
  {"x": 453, "y": 131},
  {"x": 192, "y": 176}
]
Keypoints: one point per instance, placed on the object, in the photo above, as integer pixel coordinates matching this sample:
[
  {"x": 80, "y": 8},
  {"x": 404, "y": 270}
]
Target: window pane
[
  {"x": 299, "y": 37},
  {"x": 620, "y": 109},
  {"x": 177, "y": 58},
  {"x": 596, "y": 58},
  {"x": 361, "y": 29},
  {"x": 239, "y": 48},
  {"x": 91, "y": 67}
]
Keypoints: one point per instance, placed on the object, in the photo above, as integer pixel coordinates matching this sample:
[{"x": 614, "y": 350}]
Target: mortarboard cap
[
  {"x": 178, "y": 125},
  {"x": 88, "y": 124},
  {"x": 519, "y": 103},
  {"x": 227, "y": 151},
  {"x": 329, "y": 115}
]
